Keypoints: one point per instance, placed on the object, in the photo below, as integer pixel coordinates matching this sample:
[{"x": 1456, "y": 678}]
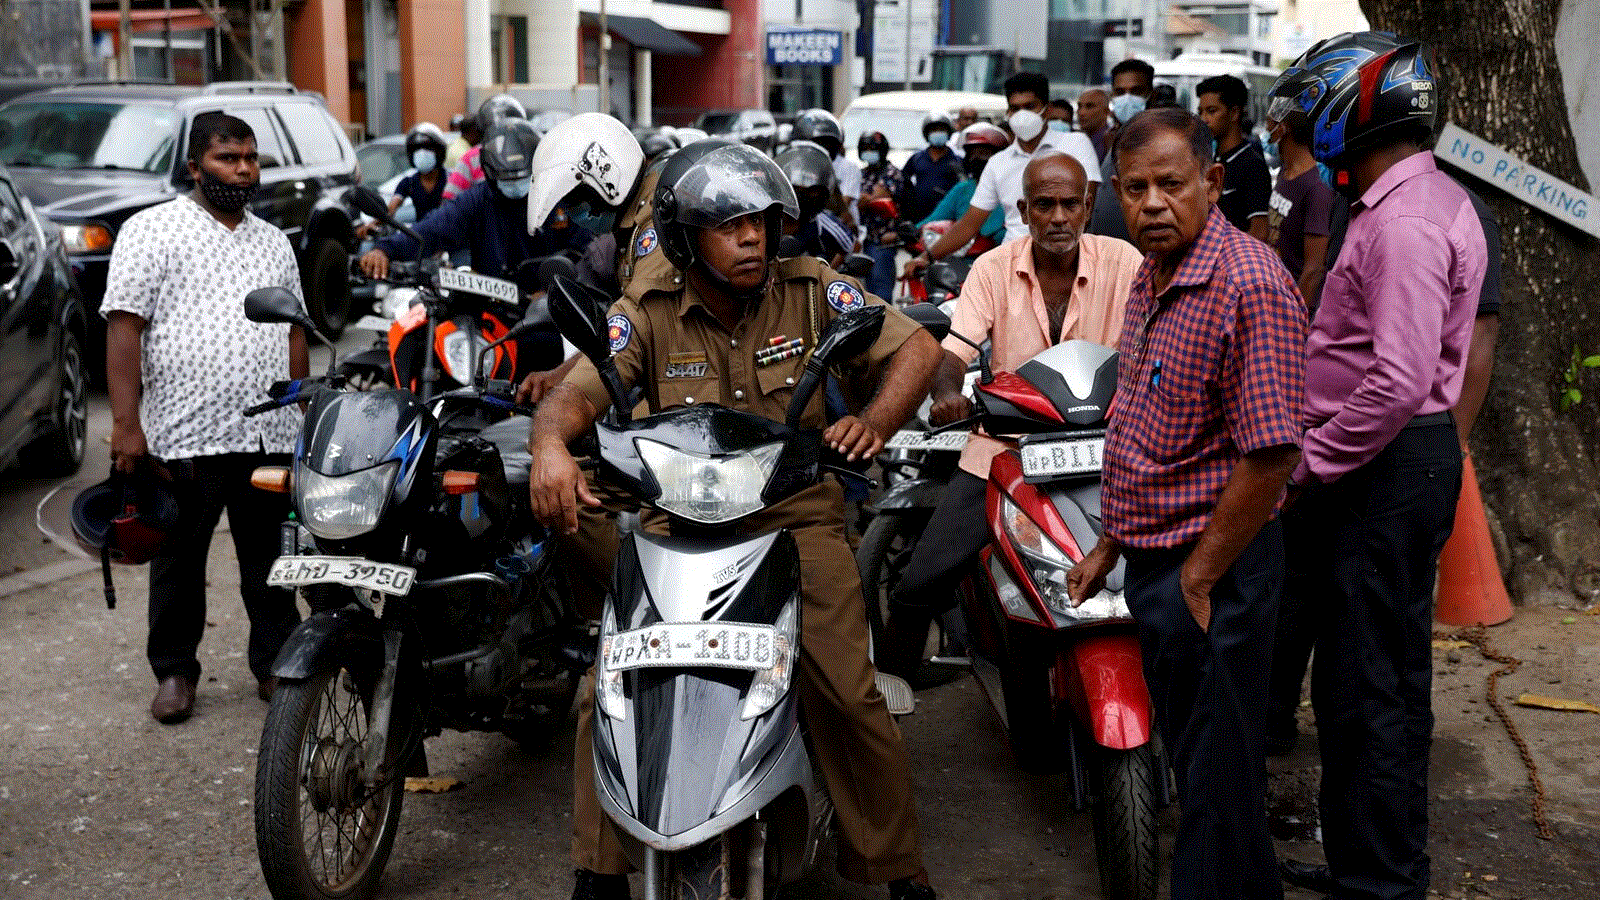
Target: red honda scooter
[{"x": 1066, "y": 681}]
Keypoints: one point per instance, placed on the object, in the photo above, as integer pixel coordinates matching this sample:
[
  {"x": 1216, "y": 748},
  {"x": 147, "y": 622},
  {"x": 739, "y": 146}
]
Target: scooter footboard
[{"x": 1112, "y": 699}]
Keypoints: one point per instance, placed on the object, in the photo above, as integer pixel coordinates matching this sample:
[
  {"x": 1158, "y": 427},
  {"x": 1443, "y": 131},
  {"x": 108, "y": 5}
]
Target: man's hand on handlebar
[
  {"x": 556, "y": 487},
  {"x": 915, "y": 266},
  {"x": 853, "y": 439},
  {"x": 374, "y": 264},
  {"x": 951, "y": 408}
]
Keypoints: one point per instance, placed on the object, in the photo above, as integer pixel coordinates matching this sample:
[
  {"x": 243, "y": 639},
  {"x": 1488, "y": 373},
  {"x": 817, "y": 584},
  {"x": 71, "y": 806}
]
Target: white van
[
  {"x": 1187, "y": 70},
  {"x": 899, "y": 115}
]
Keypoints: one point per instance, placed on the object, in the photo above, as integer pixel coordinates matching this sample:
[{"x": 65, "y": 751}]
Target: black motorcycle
[{"x": 436, "y": 604}]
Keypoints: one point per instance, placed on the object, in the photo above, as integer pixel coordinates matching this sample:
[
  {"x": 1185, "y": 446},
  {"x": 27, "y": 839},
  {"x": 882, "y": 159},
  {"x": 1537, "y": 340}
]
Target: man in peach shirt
[{"x": 1055, "y": 284}]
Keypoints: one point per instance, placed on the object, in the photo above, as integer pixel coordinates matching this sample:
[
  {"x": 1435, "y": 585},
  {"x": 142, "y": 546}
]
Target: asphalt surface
[{"x": 98, "y": 801}]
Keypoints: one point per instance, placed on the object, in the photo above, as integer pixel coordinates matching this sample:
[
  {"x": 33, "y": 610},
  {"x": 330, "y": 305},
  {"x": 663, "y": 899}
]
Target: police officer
[{"x": 733, "y": 299}]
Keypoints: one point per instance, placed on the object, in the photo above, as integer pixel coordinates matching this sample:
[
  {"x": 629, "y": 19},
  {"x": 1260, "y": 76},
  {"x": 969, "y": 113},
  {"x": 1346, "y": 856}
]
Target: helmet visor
[{"x": 732, "y": 182}]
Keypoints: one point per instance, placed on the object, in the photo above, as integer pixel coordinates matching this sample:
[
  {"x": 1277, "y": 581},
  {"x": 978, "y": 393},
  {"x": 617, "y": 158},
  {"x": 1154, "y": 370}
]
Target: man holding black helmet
[{"x": 735, "y": 296}]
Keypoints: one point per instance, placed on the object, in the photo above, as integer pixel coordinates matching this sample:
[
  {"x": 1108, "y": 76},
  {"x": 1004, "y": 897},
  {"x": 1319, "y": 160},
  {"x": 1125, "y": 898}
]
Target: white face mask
[
  {"x": 938, "y": 139},
  {"x": 1026, "y": 124},
  {"x": 424, "y": 160},
  {"x": 1126, "y": 106},
  {"x": 870, "y": 157},
  {"x": 514, "y": 188}
]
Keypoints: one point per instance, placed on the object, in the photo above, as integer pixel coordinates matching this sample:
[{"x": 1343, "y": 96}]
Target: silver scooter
[{"x": 700, "y": 753}]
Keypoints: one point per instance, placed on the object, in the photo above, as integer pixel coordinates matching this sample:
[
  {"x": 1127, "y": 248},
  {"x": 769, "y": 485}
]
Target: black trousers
[
  {"x": 206, "y": 486},
  {"x": 956, "y": 531},
  {"x": 1209, "y": 694},
  {"x": 1371, "y": 550}
]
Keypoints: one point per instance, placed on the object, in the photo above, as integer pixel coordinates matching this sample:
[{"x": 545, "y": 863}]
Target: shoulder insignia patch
[
  {"x": 645, "y": 243},
  {"x": 844, "y": 297},
  {"x": 620, "y": 331}
]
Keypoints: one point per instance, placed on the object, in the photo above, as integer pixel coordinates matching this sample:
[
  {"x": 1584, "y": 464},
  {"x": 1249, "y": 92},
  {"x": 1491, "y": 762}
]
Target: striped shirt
[
  {"x": 467, "y": 172},
  {"x": 1212, "y": 369}
]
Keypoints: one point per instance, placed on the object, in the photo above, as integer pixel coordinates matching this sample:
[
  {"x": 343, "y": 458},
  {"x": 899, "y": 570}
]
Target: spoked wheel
[
  {"x": 1125, "y": 839},
  {"x": 320, "y": 831}
]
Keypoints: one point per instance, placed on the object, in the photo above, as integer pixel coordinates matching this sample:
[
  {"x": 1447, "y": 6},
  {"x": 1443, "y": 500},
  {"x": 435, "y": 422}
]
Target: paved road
[{"x": 98, "y": 802}]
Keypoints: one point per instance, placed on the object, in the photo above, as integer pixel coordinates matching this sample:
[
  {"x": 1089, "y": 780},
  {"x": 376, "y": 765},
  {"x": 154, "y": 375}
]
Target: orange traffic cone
[{"x": 1470, "y": 589}]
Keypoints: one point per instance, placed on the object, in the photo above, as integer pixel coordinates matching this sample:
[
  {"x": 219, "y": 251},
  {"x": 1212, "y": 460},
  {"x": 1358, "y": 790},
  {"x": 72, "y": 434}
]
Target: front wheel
[
  {"x": 1125, "y": 840},
  {"x": 320, "y": 832},
  {"x": 882, "y": 558},
  {"x": 702, "y": 872},
  {"x": 325, "y": 280}
]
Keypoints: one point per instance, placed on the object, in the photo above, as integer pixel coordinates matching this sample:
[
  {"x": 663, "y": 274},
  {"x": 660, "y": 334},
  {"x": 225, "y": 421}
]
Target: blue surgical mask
[
  {"x": 870, "y": 157},
  {"x": 1126, "y": 106},
  {"x": 424, "y": 159},
  {"x": 514, "y": 188},
  {"x": 938, "y": 139},
  {"x": 1058, "y": 125}
]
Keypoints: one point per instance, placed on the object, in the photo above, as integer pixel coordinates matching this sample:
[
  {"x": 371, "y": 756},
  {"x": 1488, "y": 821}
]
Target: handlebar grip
[{"x": 269, "y": 406}]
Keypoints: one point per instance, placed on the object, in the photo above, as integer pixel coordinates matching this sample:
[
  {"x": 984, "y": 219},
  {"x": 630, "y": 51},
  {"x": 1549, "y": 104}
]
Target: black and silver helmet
[
  {"x": 712, "y": 182},
  {"x": 507, "y": 150}
]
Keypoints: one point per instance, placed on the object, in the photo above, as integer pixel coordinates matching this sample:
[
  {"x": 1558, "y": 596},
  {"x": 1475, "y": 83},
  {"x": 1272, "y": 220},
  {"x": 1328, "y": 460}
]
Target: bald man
[
  {"x": 1054, "y": 284},
  {"x": 1094, "y": 119}
]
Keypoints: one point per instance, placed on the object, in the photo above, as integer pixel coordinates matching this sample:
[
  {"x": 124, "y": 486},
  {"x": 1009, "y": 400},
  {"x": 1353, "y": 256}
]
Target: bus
[{"x": 1187, "y": 70}]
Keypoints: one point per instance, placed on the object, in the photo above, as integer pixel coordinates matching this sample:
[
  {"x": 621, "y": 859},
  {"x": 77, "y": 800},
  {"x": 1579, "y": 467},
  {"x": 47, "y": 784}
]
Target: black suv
[{"x": 91, "y": 155}]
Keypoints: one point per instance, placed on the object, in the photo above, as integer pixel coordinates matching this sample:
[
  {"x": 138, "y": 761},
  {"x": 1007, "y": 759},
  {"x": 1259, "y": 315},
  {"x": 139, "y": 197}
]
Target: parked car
[
  {"x": 755, "y": 127},
  {"x": 899, "y": 115},
  {"x": 93, "y": 154},
  {"x": 44, "y": 410}
]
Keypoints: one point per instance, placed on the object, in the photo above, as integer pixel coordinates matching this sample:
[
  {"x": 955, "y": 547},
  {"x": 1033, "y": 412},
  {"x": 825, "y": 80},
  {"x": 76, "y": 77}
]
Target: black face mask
[
  {"x": 226, "y": 197},
  {"x": 973, "y": 167}
]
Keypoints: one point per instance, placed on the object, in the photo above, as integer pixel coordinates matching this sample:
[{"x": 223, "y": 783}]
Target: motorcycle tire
[
  {"x": 325, "y": 282},
  {"x": 1125, "y": 813},
  {"x": 702, "y": 872},
  {"x": 318, "y": 835},
  {"x": 884, "y": 552}
]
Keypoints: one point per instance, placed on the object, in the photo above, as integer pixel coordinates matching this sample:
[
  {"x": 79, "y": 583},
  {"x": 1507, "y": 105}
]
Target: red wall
[{"x": 729, "y": 74}]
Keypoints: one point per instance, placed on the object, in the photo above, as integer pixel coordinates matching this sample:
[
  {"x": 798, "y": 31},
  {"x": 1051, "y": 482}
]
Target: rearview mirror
[
  {"x": 276, "y": 305},
  {"x": 929, "y": 316},
  {"x": 579, "y": 313},
  {"x": 553, "y": 266},
  {"x": 368, "y": 201},
  {"x": 859, "y": 266},
  {"x": 849, "y": 335}
]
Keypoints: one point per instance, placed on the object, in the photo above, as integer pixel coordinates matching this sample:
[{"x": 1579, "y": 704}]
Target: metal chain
[{"x": 1478, "y": 637}]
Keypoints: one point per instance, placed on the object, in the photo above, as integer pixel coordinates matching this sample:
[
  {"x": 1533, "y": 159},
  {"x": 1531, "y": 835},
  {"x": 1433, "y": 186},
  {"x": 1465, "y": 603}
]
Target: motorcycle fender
[
  {"x": 347, "y": 637},
  {"x": 1110, "y": 698},
  {"x": 904, "y": 496}
]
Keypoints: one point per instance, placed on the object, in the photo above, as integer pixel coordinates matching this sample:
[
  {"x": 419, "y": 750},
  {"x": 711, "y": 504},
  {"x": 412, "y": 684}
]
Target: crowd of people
[{"x": 1300, "y": 362}]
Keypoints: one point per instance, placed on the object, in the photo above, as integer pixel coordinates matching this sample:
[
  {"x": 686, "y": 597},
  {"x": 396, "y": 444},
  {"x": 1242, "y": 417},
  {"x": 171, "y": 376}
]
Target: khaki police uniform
[{"x": 667, "y": 342}]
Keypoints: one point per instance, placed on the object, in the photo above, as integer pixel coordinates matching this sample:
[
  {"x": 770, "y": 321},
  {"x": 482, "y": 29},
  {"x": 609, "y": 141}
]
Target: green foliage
[{"x": 1571, "y": 395}]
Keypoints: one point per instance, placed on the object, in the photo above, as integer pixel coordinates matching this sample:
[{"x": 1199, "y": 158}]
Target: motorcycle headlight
[
  {"x": 771, "y": 683},
  {"x": 1048, "y": 565},
  {"x": 396, "y": 300},
  {"x": 608, "y": 681},
  {"x": 709, "y": 490},
  {"x": 457, "y": 356},
  {"x": 339, "y": 507}
]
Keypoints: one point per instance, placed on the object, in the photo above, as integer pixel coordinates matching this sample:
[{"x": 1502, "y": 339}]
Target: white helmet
[{"x": 592, "y": 153}]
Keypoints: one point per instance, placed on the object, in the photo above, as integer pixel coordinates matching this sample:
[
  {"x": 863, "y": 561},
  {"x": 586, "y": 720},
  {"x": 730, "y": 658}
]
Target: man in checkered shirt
[{"x": 1204, "y": 432}]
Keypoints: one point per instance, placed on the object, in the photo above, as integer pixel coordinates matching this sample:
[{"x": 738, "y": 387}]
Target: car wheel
[
  {"x": 59, "y": 451},
  {"x": 326, "y": 281}
]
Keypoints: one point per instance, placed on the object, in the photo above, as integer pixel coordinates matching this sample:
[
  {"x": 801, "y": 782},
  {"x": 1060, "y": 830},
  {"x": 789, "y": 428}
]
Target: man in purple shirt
[
  {"x": 1382, "y": 463},
  {"x": 1204, "y": 432}
]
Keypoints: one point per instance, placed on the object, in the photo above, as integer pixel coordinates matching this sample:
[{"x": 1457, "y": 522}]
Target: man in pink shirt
[
  {"x": 1382, "y": 462},
  {"x": 1054, "y": 284}
]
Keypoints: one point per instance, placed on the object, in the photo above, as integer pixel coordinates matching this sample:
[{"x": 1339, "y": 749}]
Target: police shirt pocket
[{"x": 780, "y": 376}]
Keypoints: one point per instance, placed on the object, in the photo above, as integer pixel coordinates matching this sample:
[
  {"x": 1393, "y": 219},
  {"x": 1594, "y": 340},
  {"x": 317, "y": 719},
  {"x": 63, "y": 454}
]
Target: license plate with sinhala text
[
  {"x": 689, "y": 644},
  {"x": 909, "y": 439},
  {"x": 386, "y": 578}
]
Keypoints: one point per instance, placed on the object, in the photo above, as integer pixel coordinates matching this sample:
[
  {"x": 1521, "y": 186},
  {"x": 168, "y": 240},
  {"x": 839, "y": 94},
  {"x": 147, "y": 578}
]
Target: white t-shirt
[
  {"x": 1001, "y": 184},
  {"x": 202, "y": 362},
  {"x": 849, "y": 175}
]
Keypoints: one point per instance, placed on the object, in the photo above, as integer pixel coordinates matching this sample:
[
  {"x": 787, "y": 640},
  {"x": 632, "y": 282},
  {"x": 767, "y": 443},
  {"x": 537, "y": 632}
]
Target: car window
[
  {"x": 381, "y": 162},
  {"x": 79, "y": 134},
  {"x": 311, "y": 132},
  {"x": 267, "y": 141}
]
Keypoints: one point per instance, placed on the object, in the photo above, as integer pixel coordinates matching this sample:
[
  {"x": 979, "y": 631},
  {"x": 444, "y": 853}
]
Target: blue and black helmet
[{"x": 1358, "y": 91}]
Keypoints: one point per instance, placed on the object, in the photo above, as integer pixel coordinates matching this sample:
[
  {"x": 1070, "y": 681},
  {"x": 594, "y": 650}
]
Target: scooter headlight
[
  {"x": 340, "y": 507},
  {"x": 608, "y": 681},
  {"x": 396, "y": 300},
  {"x": 710, "y": 489},
  {"x": 1047, "y": 566},
  {"x": 771, "y": 683}
]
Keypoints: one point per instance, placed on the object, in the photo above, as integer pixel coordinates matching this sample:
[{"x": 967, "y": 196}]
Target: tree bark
[{"x": 1537, "y": 464}]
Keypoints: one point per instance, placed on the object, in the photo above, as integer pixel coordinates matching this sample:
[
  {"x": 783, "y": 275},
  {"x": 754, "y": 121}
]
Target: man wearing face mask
[
  {"x": 182, "y": 363},
  {"x": 982, "y": 141},
  {"x": 932, "y": 171},
  {"x": 1001, "y": 184},
  {"x": 1132, "y": 89},
  {"x": 1058, "y": 115},
  {"x": 1132, "y": 81},
  {"x": 424, "y": 187},
  {"x": 879, "y": 178}
]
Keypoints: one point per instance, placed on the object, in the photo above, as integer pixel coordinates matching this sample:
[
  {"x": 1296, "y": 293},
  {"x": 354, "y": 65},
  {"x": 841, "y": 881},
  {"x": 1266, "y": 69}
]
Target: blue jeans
[{"x": 881, "y": 281}]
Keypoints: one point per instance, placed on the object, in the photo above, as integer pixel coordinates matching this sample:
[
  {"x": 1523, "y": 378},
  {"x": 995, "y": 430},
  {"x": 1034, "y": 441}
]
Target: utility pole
[
  {"x": 124, "y": 40},
  {"x": 906, "y": 5},
  {"x": 604, "y": 45}
]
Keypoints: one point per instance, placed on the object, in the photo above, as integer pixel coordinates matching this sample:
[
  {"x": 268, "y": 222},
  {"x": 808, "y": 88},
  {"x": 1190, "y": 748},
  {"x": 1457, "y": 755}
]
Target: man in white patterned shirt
[{"x": 182, "y": 363}]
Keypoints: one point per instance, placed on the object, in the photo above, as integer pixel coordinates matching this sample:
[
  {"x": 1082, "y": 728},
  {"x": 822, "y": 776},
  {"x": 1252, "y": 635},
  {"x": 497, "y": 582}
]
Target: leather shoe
[
  {"x": 594, "y": 886},
  {"x": 265, "y": 687},
  {"x": 174, "y": 700},
  {"x": 1309, "y": 876}
]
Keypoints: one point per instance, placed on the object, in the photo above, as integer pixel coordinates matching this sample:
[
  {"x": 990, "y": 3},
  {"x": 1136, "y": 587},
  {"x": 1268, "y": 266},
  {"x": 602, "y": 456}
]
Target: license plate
[
  {"x": 473, "y": 283},
  {"x": 373, "y": 323},
  {"x": 386, "y": 578},
  {"x": 910, "y": 439},
  {"x": 691, "y": 644},
  {"x": 1078, "y": 456}
]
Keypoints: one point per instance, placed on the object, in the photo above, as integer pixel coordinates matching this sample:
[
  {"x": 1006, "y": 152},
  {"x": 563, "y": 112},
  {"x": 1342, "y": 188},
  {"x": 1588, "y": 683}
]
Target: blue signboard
[{"x": 805, "y": 47}]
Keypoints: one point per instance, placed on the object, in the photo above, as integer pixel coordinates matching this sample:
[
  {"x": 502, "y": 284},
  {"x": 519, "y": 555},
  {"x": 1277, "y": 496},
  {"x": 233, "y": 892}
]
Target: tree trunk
[{"x": 1537, "y": 463}]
